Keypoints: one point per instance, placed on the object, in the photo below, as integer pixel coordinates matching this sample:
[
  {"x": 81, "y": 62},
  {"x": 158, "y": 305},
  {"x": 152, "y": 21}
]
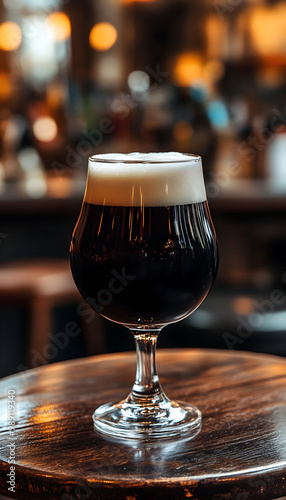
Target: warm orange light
[
  {"x": 213, "y": 70},
  {"x": 45, "y": 129},
  {"x": 46, "y": 419},
  {"x": 10, "y": 36},
  {"x": 182, "y": 131},
  {"x": 5, "y": 86},
  {"x": 102, "y": 36},
  {"x": 136, "y": 1},
  {"x": 268, "y": 29},
  {"x": 243, "y": 306},
  {"x": 188, "y": 67},
  {"x": 59, "y": 187},
  {"x": 216, "y": 34},
  {"x": 59, "y": 26}
]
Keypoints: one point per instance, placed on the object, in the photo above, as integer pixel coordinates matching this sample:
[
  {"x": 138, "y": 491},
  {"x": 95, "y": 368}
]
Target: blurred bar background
[{"x": 79, "y": 78}]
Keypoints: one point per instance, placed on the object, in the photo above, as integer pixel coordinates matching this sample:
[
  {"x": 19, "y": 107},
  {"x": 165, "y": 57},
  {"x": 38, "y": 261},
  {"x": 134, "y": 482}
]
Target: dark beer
[
  {"x": 144, "y": 266},
  {"x": 143, "y": 254}
]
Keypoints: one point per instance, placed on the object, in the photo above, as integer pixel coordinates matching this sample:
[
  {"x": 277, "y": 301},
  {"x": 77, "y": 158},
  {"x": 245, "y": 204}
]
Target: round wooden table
[{"x": 240, "y": 453}]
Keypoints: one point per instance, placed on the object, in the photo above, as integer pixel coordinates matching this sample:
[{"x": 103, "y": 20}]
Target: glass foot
[{"x": 166, "y": 420}]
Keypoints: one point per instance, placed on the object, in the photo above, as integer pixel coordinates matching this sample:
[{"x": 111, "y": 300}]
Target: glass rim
[{"x": 98, "y": 159}]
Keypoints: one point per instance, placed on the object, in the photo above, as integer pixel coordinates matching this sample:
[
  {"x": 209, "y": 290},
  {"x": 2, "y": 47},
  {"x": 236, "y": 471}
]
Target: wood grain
[{"x": 240, "y": 453}]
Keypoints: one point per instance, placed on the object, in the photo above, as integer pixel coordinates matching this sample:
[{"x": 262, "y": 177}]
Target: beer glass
[{"x": 144, "y": 254}]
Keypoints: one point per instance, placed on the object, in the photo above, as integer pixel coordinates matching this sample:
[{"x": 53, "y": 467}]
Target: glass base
[{"x": 165, "y": 420}]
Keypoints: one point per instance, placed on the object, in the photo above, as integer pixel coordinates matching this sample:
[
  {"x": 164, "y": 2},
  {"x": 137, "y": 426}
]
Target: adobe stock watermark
[
  {"x": 246, "y": 325},
  {"x": 59, "y": 341},
  {"x": 31, "y": 25},
  {"x": 248, "y": 150},
  {"x": 117, "y": 283},
  {"x": 221, "y": 179},
  {"x": 257, "y": 485},
  {"x": 51, "y": 349},
  {"x": 121, "y": 105},
  {"x": 82, "y": 492},
  {"x": 258, "y": 142},
  {"x": 223, "y": 7},
  {"x": 124, "y": 103},
  {"x": 11, "y": 445}
]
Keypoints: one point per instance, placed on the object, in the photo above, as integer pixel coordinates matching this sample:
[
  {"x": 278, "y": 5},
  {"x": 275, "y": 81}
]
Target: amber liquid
[{"x": 144, "y": 266}]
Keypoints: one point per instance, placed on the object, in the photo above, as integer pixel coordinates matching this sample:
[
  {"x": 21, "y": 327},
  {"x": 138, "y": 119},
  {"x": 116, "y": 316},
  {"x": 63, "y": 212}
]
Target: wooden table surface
[{"x": 240, "y": 453}]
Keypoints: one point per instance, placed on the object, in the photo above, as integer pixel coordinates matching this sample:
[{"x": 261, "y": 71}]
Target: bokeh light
[
  {"x": 139, "y": 81},
  {"x": 188, "y": 67},
  {"x": 268, "y": 29},
  {"x": 59, "y": 26},
  {"x": 217, "y": 113},
  {"x": 243, "y": 306},
  {"x": 102, "y": 36},
  {"x": 10, "y": 36},
  {"x": 45, "y": 129}
]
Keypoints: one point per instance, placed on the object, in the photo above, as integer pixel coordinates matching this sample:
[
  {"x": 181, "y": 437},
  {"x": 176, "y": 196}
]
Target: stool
[{"x": 40, "y": 286}]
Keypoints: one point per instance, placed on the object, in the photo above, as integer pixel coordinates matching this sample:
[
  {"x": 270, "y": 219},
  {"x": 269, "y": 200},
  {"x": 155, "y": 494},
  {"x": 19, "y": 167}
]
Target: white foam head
[{"x": 149, "y": 179}]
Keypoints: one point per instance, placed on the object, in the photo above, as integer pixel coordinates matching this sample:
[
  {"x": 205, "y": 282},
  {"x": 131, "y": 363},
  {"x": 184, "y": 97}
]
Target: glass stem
[{"x": 147, "y": 388}]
